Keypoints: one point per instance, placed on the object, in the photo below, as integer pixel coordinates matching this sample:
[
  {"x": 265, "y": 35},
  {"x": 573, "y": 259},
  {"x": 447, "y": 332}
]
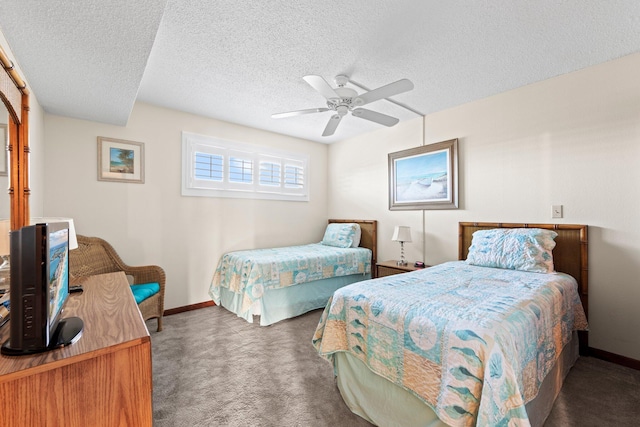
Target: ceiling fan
[{"x": 342, "y": 100}]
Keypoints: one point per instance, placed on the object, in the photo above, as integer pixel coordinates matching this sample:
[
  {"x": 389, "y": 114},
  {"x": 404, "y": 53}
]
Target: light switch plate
[{"x": 556, "y": 211}]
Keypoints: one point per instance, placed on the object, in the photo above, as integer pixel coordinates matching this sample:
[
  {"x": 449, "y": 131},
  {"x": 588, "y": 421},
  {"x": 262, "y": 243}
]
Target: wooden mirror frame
[{"x": 15, "y": 96}]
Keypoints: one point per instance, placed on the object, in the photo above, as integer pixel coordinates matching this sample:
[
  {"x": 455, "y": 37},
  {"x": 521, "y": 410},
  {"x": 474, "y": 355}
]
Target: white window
[
  {"x": 208, "y": 166},
  {"x": 240, "y": 170},
  {"x": 293, "y": 176},
  {"x": 270, "y": 174},
  {"x": 212, "y": 167}
]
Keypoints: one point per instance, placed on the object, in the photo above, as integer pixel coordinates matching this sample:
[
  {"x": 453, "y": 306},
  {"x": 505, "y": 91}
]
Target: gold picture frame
[
  {"x": 120, "y": 160},
  {"x": 424, "y": 177}
]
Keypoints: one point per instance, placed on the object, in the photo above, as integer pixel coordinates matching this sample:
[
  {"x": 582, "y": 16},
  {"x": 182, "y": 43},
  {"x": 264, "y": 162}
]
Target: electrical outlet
[{"x": 556, "y": 211}]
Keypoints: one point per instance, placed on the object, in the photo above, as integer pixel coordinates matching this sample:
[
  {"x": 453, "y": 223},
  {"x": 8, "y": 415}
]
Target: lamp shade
[
  {"x": 401, "y": 233},
  {"x": 5, "y": 245},
  {"x": 73, "y": 241}
]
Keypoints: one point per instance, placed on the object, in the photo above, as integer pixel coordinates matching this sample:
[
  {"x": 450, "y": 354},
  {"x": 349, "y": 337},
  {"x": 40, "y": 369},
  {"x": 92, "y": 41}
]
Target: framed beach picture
[
  {"x": 424, "y": 177},
  {"x": 4, "y": 162},
  {"x": 120, "y": 160}
]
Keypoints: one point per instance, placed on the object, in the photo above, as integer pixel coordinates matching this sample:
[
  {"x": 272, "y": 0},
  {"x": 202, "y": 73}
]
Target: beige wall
[
  {"x": 152, "y": 223},
  {"x": 572, "y": 140}
]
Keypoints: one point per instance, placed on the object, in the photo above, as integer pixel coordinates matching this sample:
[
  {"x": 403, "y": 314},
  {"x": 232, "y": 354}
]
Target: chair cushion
[{"x": 145, "y": 290}]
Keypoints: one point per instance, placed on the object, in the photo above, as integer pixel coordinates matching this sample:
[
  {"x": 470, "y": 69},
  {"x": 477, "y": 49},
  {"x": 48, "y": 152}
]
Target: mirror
[
  {"x": 4, "y": 164},
  {"x": 15, "y": 100}
]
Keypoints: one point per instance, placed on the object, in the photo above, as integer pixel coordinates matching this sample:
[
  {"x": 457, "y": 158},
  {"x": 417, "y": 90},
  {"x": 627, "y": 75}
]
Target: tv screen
[
  {"x": 58, "y": 272},
  {"x": 39, "y": 290}
]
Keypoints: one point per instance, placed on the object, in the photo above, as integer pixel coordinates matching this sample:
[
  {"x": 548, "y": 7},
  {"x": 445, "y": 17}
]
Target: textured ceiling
[{"x": 241, "y": 61}]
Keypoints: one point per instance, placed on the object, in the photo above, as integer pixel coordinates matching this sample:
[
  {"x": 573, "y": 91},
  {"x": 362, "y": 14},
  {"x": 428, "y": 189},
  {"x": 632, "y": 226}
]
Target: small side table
[{"x": 389, "y": 268}]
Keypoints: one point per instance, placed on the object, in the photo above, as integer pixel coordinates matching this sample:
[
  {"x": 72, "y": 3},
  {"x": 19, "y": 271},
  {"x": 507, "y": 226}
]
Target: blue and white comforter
[
  {"x": 252, "y": 272},
  {"x": 474, "y": 343}
]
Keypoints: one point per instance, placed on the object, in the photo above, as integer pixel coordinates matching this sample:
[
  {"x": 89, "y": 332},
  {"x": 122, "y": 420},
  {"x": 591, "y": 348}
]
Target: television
[{"x": 39, "y": 289}]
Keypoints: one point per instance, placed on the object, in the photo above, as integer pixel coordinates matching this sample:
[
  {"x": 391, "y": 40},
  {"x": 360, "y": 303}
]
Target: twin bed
[
  {"x": 487, "y": 340},
  {"x": 464, "y": 343},
  {"x": 280, "y": 283}
]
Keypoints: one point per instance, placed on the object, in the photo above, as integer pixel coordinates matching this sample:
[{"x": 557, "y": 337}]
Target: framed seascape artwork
[
  {"x": 4, "y": 163},
  {"x": 120, "y": 160},
  {"x": 424, "y": 177}
]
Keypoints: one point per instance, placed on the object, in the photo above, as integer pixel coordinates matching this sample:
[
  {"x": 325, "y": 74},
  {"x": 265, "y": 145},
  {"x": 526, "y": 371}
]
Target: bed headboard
[
  {"x": 369, "y": 238},
  {"x": 569, "y": 255}
]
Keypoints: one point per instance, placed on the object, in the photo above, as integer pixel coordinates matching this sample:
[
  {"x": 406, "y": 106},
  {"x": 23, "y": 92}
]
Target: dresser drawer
[{"x": 388, "y": 271}]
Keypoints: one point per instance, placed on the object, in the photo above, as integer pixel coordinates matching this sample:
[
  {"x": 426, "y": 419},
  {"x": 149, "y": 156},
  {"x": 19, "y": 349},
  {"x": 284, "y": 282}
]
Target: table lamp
[
  {"x": 401, "y": 234},
  {"x": 73, "y": 241},
  {"x": 5, "y": 230}
]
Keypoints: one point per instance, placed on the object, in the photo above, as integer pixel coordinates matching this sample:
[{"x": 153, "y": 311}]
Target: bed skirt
[
  {"x": 383, "y": 403},
  {"x": 290, "y": 301}
]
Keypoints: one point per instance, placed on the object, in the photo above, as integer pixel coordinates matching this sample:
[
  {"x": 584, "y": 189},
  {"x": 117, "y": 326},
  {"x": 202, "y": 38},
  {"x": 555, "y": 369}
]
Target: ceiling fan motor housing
[
  {"x": 348, "y": 99},
  {"x": 343, "y": 99}
]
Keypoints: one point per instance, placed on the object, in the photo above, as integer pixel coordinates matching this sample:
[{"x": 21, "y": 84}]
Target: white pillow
[
  {"x": 526, "y": 249},
  {"x": 340, "y": 235}
]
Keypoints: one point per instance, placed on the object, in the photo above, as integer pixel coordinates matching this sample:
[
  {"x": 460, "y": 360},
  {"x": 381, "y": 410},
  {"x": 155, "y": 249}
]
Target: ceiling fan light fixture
[{"x": 343, "y": 99}]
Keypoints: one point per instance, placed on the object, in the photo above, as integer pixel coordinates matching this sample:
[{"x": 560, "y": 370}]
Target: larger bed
[
  {"x": 280, "y": 283},
  {"x": 461, "y": 344}
]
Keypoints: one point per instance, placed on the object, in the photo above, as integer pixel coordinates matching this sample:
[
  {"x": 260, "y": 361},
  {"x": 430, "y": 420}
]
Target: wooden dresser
[{"x": 104, "y": 379}]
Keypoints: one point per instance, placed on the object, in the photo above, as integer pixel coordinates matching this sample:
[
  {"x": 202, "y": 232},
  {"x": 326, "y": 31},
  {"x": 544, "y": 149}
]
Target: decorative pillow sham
[
  {"x": 526, "y": 249},
  {"x": 357, "y": 236},
  {"x": 340, "y": 235}
]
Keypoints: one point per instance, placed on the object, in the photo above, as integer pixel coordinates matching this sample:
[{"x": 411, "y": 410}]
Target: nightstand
[{"x": 389, "y": 268}]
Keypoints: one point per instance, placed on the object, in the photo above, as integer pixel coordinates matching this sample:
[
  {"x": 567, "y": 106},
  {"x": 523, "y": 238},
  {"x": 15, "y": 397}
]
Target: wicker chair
[{"x": 96, "y": 256}]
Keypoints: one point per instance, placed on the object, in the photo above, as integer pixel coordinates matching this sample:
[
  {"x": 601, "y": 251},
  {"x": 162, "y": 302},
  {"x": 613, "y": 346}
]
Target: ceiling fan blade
[
  {"x": 386, "y": 91},
  {"x": 334, "y": 121},
  {"x": 298, "y": 113},
  {"x": 374, "y": 116},
  {"x": 321, "y": 85}
]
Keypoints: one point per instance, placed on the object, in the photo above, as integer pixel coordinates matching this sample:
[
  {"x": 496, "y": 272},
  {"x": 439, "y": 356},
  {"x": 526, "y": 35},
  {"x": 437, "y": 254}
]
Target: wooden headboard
[
  {"x": 369, "y": 237},
  {"x": 569, "y": 255}
]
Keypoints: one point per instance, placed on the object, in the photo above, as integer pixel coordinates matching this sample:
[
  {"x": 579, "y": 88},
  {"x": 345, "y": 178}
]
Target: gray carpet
[{"x": 211, "y": 368}]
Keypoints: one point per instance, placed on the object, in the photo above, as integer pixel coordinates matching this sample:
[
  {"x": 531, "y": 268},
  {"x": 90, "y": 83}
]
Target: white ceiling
[{"x": 241, "y": 61}]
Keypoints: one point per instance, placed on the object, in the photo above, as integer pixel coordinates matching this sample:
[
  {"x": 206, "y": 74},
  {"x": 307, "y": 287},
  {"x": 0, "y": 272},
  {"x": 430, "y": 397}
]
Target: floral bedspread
[
  {"x": 474, "y": 343},
  {"x": 253, "y": 271}
]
